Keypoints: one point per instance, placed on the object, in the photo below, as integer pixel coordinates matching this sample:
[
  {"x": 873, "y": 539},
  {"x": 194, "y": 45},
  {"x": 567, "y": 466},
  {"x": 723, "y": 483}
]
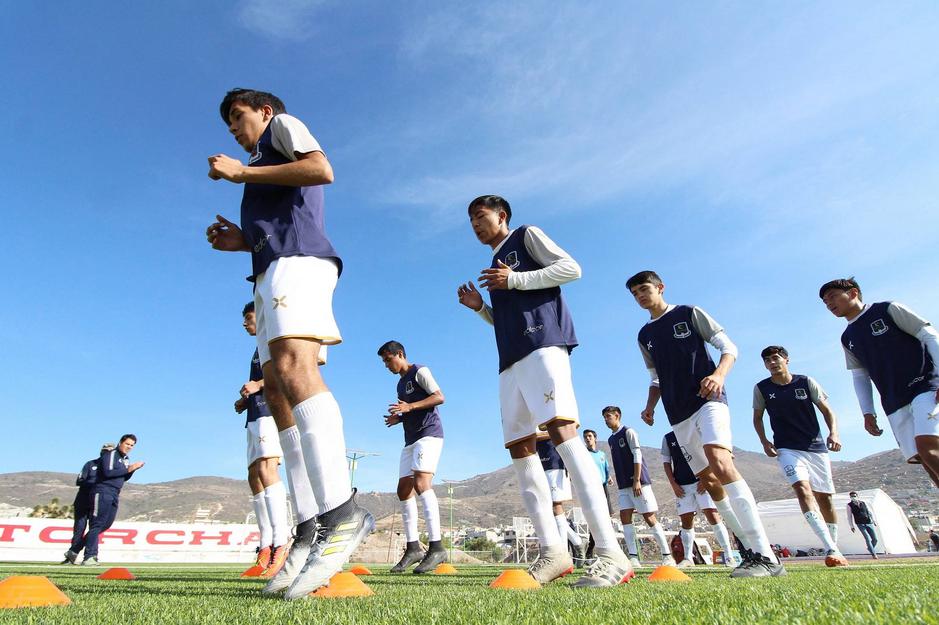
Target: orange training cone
[
  {"x": 27, "y": 591},
  {"x": 344, "y": 584},
  {"x": 667, "y": 573},
  {"x": 515, "y": 579},
  {"x": 117, "y": 573},
  {"x": 254, "y": 571},
  {"x": 445, "y": 568},
  {"x": 360, "y": 570}
]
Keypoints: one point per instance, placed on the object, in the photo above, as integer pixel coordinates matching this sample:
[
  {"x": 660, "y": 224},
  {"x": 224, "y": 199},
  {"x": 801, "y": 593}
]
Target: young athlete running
[
  {"x": 635, "y": 486},
  {"x": 416, "y": 409},
  {"x": 692, "y": 496},
  {"x": 889, "y": 344},
  {"x": 691, "y": 387},
  {"x": 268, "y": 495},
  {"x": 797, "y": 443},
  {"x": 534, "y": 336},
  {"x": 295, "y": 270}
]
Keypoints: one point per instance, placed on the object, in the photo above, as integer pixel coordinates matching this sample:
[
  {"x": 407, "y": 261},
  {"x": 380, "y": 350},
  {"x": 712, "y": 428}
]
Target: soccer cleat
[
  {"x": 757, "y": 565},
  {"x": 264, "y": 557},
  {"x": 305, "y": 534},
  {"x": 834, "y": 558},
  {"x": 275, "y": 562},
  {"x": 668, "y": 560},
  {"x": 92, "y": 561},
  {"x": 341, "y": 531},
  {"x": 410, "y": 557},
  {"x": 70, "y": 557},
  {"x": 634, "y": 561},
  {"x": 686, "y": 564},
  {"x": 579, "y": 556},
  {"x": 551, "y": 564},
  {"x": 730, "y": 560},
  {"x": 611, "y": 568},
  {"x": 432, "y": 558}
]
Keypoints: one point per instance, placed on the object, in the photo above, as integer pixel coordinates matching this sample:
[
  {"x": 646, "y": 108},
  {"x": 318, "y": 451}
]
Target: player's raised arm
[{"x": 558, "y": 266}]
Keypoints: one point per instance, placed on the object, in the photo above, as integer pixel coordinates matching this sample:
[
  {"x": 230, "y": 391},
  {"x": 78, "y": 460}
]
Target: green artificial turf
[{"x": 862, "y": 594}]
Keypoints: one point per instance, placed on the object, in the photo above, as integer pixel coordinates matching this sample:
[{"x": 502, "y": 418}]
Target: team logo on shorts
[
  {"x": 549, "y": 397},
  {"x": 280, "y": 302},
  {"x": 790, "y": 470},
  {"x": 409, "y": 387},
  {"x": 512, "y": 259},
  {"x": 681, "y": 330},
  {"x": 878, "y": 327},
  {"x": 801, "y": 393}
]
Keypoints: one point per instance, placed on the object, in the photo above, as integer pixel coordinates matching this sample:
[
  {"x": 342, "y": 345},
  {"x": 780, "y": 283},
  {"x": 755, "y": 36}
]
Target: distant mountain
[{"x": 490, "y": 499}]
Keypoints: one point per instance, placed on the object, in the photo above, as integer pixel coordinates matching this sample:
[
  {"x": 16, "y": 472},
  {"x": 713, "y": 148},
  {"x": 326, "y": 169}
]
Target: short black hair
[
  {"x": 494, "y": 202},
  {"x": 853, "y": 492},
  {"x": 392, "y": 347},
  {"x": 612, "y": 409},
  {"x": 774, "y": 349},
  {"x": 842, "y": 284},
  {"x": 643, "y": 277},
  {"x": 126, "y": 436},
  {"x": 586, "y": 432},
  {"x": 249, "y": 307},
  {"x": 251, "y": 97}
]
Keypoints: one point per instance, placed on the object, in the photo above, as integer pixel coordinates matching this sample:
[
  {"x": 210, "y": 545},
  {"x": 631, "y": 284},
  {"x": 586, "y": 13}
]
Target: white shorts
[
  {"x": 693, "y": 501},
  {"x": 807, "y": 466},
  {"x": 913, "y": 420},
  {"x": 710, "y": 425},
  {"x": 293, "y": 298},
  {"x": 534, "y": 391},
  {"x": 263, "y": 440},
  {"x": 643, "y": 504},
  {"x": 560, "y": 485},
  {"x": 422, "y": 455}
]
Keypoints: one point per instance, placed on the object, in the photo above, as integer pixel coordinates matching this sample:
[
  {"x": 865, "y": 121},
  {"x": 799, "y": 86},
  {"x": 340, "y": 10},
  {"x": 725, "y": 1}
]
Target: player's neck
[
  {"x": 658, "y": 309},
  {"x": 852, "y": 314},
  {"x": 404, "y": 371},
  {"x": 499, "y": 238},
  {"x": 781, "y": 378}
]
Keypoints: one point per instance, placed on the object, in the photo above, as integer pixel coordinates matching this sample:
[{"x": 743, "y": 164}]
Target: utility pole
[
  {"x": 353, "y": 456},
  {"x": 450, "y": 484}
]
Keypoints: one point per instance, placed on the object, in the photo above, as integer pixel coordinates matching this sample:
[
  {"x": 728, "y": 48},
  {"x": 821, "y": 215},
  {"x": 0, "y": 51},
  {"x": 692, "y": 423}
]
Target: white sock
[
  {"x": 536, "y": 493},
  {"x": 431, "y": 513},
  {"x": 815, "y": 521},
  {"x": 324, "y": 449},
  {"x": 687, "y": 542},
  {"x": 409, "y": 519},
  {"x": 264, "y": 522},
  {"x": 659, "y": 534},
  {"x": 585, "y": 478},
  {"x": 629, "y": 534},
  {"x": 833, "y": 530},
  {"x": 572, "y": 536},
  {"x": 723, "y": 538},
  {"x": 744, "y": 505},
  {"x": 730, "y": 518},
  {"x": 304, "y": 502},
  {"x": 275, "y": 499},
  {"x": 566, "y": 531}
]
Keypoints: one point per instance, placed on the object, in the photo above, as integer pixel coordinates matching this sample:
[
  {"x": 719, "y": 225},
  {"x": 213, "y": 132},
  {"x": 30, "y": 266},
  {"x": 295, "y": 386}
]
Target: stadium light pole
[
  {"x": 450, "y": 484},
  {"x": 353, "y": 456}
]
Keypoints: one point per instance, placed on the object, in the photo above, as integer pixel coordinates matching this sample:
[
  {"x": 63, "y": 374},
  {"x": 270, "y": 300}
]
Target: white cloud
[{"x": 290, "y": 20}]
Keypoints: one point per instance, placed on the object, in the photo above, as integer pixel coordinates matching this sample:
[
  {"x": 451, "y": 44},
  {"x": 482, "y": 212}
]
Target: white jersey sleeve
[
  {"x": 632, "y": 439},
  {"x": 759, "y": 402},
  {"x": 558, "y": 266},
  {"x": 650, "y": 365},
  {"x": 864, "y": 390},
  {"x": 816, "y": 392},
  {"x": 426, "y": 380},
  {"x": 851, "y": 361},
  {"x": 712, "y": 332},
  {"x": 906, "y": 319},
  {"x": 666, "y": 452},
  {"x": 485, "y": 313},
  {"x": 291, "y": 137}
]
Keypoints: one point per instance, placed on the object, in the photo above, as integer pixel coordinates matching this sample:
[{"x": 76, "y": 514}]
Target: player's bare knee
[
  {"x": 523, "y": 448},
  {"x": 626, "y": 516},
  {"x": 650, "y": 518},
  {"x": 687, "y": 520},
  {"x": 423, "y": 482},
  {"x": 711, "y": 515},
  {"x": 562, "y": 431},
  {"x": 405, "y": 488}
]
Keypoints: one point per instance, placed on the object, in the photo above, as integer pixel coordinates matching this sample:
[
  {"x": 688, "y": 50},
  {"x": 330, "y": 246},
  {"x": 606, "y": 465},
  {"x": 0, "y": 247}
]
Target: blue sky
[{"x": 748, "y": 152}]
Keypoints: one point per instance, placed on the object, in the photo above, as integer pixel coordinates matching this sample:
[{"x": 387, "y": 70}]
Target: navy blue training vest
[
  {"x": 680, "y": 467},
  {"x": 792, "y": 415},
  {"x": 549, "y": 456},
  {"x": 417, "y": 423},
  {"x": 257, "y": 405},
  {"x": 623, "y": 462}
]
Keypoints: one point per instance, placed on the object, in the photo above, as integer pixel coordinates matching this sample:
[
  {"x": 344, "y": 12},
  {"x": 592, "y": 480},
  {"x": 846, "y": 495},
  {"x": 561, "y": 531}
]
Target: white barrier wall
[{"x": 45, "y": 540}]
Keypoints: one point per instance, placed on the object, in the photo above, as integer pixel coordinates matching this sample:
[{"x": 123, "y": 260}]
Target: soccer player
[
  {"x": 560, "y": 486},
  {"x": 82, "y": 506},
  {"x": 295, "y": 270},
  {"x": 534, "y": 336},
  {"x": 635, "y": 486},
  {"x": 691, "y": 387},
  {"x": 861, "y": 516},
  {"x": 114, "y": 468},
  {"x": 416, "y": 409},
  {"x": 599, "y": 458},
  {"x": 797, "y": 443},
  {"x": 890, "y": 344},
  {"x": 268, "y": 495},
  {"x": 692, "y": 496}
]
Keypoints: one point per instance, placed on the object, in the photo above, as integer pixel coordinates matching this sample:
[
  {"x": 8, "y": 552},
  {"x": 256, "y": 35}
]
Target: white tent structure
[{"x": 786, "y": 526}]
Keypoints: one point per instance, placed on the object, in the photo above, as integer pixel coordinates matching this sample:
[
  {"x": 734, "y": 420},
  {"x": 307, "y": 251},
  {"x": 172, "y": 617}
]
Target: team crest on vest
[
  {"x": 801, "y": 393},
  {"x": 409, "y": 387},
  {"x": 878, "y": 327},
  {"x": 255, "y": 156},
  {"x": 512, "y": 259},
  {"x": 681, "y": 330},
  {"x": 622, "y": 442}
]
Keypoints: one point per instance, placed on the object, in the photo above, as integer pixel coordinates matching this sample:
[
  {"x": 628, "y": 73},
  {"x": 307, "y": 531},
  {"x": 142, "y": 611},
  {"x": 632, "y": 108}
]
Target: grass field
[{"x": 897, "y": 592}]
